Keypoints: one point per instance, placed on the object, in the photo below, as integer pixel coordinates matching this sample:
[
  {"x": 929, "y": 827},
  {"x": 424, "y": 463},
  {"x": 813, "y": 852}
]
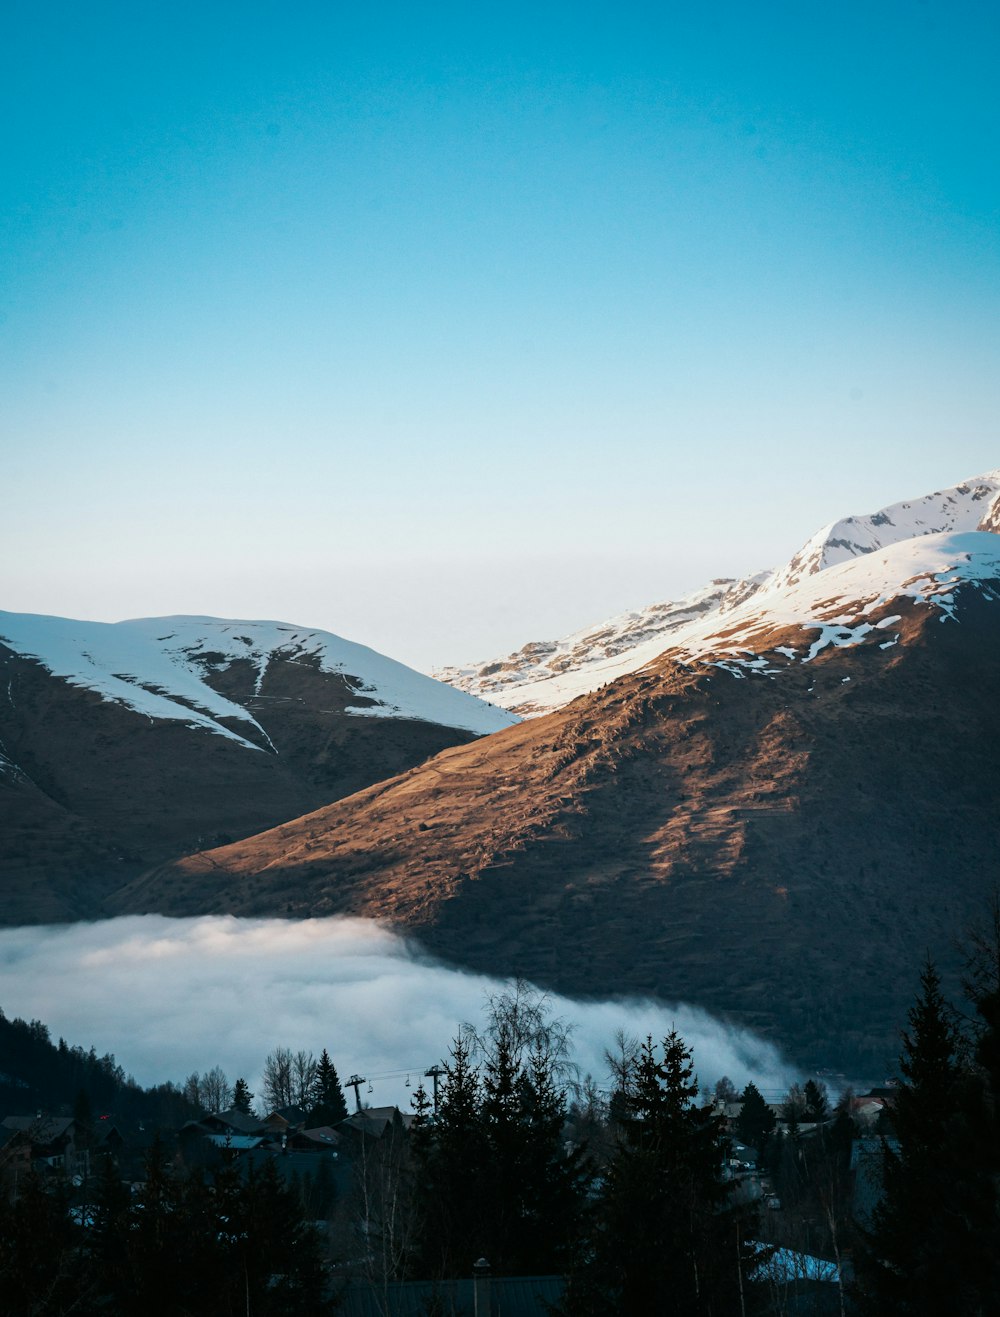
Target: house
[
  {"x": 374, "y": 1122},
  {"x": 324, "y": 1138},
  {"x": 284, "y": 1120},
  {"x": 234, "y": 1121},
  {"x": 46, "y": 1143}
]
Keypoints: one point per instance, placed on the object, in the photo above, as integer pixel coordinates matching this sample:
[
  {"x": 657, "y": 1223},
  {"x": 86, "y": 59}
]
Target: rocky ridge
[{"x": 545, "y": 675}]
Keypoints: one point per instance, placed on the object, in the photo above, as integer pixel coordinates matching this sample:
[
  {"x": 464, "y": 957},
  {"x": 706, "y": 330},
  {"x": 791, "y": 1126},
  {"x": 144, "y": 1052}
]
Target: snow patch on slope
[
  {"x": 546, "y": 675},
  {"x": 157, "y": 668},
  {"x": 123, "y": 667},
  {"x": 839, "y": 604}
]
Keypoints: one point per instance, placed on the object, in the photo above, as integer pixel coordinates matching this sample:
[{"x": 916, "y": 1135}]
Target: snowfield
[
  {"x": 545, "y": 675},
  {"x": 157, "y": 667},
  {"x": 838, "y": 604}
]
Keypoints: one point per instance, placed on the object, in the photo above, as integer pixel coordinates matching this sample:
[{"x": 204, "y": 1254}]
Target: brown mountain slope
[
  {"x": 779, "y": 850},
  {"x": 95, "y": 792}
]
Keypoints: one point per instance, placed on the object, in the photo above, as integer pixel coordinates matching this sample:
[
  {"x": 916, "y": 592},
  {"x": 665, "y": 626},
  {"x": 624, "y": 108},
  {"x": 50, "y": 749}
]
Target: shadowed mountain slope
[
  {"x": 773, "y": 823},
  {"x": 123, "y": 745}
]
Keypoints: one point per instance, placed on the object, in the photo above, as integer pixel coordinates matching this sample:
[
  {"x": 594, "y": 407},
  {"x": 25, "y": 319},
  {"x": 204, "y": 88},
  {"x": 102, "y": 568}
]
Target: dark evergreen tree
[
  {"x": 322, "y": 1191},
  {"x": 106, "y": 1240},
  {"x": 280, "y": 1251},
  {"x": 557, "y": 1178},
  {"x": 817, "y": 1104},
  {"x": 497, "y": 1179},
  {"x": 666, "y": 1237},
  {"x": 242, "y": 1097},
  {"x": 41, "y": 1269},
  {"x": 931, "y": 1247},
  {"x": 756, "y": 1120},
  {"x": 157, "y": 1237},
  {"x": 328, "y": 1104},
  {"x": 451, "y": 1163},
  {"x": 982, "y": 988}
]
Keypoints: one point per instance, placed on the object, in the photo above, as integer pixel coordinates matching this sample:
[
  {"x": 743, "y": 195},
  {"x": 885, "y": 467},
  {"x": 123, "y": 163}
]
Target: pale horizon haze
[{"x": 446, "y": 328}]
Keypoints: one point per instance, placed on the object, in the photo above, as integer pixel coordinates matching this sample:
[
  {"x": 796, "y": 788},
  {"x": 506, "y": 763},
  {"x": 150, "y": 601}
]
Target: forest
[{"x": 651, "y": 1197}]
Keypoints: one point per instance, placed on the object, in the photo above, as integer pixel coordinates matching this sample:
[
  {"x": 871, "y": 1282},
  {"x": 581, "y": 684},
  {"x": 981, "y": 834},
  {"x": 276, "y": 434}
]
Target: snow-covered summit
[
  {"x": 847, "y": 604},
  {"x": 159, "y": 667},
  {"x": 961, "y": 508},
  {"x": 545, "y": 675}
]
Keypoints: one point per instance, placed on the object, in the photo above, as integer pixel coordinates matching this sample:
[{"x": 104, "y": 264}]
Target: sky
[
  {"x": 448, "y": 327},
  {"x": 169, "y": 996}
]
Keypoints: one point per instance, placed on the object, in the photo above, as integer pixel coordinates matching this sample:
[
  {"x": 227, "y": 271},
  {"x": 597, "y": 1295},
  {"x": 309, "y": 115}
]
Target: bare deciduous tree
[
  {"x": 215, "y": 1090},
  {"x": 303, "y": 1079},
  {"x": 277, "y": 1079},
  {"x": 210, "y": 1091},
  {"x": 192, "y": 1088}
]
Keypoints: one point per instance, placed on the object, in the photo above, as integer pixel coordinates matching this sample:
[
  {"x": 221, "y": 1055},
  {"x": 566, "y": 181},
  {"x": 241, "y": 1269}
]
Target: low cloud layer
[{"x": 169, "y": 996}]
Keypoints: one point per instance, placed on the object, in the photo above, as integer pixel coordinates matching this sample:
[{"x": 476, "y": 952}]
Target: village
[{"x": 808, "y": 1171}]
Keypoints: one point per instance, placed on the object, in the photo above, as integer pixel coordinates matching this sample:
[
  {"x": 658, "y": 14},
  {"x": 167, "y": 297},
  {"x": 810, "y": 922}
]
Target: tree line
[
  {"x": 933, "y": 1244},
  {"x": 629, "y": 1196},
  {"x": 207, "y": 1243},
  {"x": 289, "y": 1079}
]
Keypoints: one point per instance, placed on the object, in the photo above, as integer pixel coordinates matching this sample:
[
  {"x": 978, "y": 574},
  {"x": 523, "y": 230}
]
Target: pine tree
[
  {"x": 328, "y": 1106},
  {"x": 666, "y": 1237},
  {"x": 929, "y": 1250},
  {"x": 242, "y": 1097},
  {"x": 451, "y": 1164},
  {"x": 756, "y": 1120},
  {"x": 282, "y": 1249},
  {"x": 496, "y": 1178},
  {"x": 107, "y": 1238},
  {"x": 41, "y": 1271},
  {"x": 817, "y": 1104}
]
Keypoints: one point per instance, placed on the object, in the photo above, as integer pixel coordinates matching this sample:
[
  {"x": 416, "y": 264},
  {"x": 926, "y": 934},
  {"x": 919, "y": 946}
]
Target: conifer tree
[
  {"x": 40, "y": 1268},
  {"x": 328, "y": 1103},
  {"x": 107, "y": 1238},
  {"x": 450, "y": 1158},
  {"x": 242, "y": 1097},
  {"x": 666, "y": 1237},
  {"x": 496, "y": 1178},
  {"x": 930, "y": 1247},
  {"x": 756, "y": 1119},
  {"x": 817, "y": 1104}
]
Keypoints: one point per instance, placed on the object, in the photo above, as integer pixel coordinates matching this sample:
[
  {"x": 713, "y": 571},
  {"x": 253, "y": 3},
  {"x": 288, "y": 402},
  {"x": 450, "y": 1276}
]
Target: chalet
[
  {"x": 46, "y": 1143},
  {"x": 374, "y": 1122},
  {"x": 324, "y": 1138},
  {"x": 284, "y": 1120}
]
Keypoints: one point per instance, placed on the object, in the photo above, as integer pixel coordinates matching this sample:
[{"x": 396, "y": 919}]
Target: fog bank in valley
[{"x": 169, "y": 996}]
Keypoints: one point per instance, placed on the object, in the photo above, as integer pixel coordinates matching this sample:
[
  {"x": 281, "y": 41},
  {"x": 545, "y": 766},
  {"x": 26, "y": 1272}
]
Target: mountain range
[
  {"x": 124, "y": 744},
  {"x": 544, "y": 675},
  {"x": 769, "y": 799}
]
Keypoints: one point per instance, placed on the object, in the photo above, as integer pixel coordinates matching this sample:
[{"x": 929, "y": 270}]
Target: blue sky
[{"x": 447, "y": 327}]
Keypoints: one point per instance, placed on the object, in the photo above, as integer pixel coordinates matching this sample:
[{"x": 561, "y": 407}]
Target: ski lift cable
[{"x": 395, "y": 1074}]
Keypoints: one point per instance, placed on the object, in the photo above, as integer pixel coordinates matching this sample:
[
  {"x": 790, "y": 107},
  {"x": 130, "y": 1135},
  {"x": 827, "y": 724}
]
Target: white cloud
[{"x": 168, "y": 996}]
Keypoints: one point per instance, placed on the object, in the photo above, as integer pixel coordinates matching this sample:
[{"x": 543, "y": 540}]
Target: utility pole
[
  {"x": 355, "y": 1082},
  {"x": 435, "y": 1073}
]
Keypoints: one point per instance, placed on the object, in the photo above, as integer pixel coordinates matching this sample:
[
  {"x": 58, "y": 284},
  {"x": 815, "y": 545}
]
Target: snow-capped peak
[
  {"x": 545, "y": 675},
  {"x": 847, "y": 603},
  {"x": 961, "y": 508},
  {"x": 158, "y": 667}
]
